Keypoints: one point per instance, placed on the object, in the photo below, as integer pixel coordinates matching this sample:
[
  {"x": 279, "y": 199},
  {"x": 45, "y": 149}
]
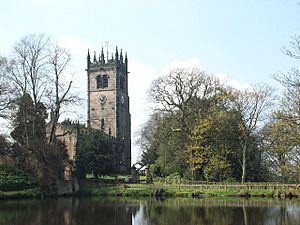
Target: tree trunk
[
  {"x": 52, "y": 138},
  {"x": 244, "y": 161}
]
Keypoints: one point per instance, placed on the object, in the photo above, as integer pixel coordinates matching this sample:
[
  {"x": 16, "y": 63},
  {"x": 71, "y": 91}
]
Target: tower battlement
[{"x": 114, "y": 60}]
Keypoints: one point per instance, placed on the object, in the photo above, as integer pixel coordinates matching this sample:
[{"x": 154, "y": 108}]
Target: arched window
[{"x": 102, "y": 81}]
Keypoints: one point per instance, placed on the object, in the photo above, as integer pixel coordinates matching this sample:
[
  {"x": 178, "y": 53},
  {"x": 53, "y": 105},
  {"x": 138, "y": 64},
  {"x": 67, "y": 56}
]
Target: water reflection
[{"x": 88, "y": 211}]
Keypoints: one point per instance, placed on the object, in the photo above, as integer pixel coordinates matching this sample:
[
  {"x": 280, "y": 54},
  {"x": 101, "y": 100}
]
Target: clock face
[{"x": 102, "y": 99}]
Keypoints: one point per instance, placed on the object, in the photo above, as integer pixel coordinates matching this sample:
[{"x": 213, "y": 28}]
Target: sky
[{"x": 239, "y": 40}]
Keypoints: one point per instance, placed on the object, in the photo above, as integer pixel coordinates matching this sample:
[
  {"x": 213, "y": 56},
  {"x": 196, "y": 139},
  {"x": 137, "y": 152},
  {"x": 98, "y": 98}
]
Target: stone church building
[{"x": 107, "y": 108}]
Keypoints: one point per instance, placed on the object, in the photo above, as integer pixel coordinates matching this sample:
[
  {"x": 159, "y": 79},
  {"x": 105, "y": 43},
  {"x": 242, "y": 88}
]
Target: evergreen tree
[
  {"x": 95, "y": 155},
  {"x": 44, "y": 162}
]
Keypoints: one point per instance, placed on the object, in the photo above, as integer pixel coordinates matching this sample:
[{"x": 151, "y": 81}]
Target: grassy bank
[
  {"x": 148, "y": 190},
  {"x": 140, "y": 190},
  {"x": 27, "y": 193}
]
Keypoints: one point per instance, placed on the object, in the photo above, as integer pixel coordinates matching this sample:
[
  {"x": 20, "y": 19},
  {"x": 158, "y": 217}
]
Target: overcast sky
[{"x": 237, "y": 39}]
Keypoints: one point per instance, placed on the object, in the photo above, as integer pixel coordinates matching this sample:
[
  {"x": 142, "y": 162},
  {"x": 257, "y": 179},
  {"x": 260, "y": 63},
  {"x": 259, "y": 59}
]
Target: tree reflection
[{"x": 88, "y": 211}]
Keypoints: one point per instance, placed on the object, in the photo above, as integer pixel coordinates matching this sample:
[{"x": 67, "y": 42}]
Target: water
[{"x": 120, "y": 211}]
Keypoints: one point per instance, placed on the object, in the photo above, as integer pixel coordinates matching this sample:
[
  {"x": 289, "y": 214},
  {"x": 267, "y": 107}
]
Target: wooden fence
[{"x": 218, "y": 186}]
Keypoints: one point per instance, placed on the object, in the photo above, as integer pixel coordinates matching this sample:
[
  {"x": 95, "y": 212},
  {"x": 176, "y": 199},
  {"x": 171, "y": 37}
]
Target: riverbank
[
  {"x": 158, "y": 190},
  {"x": 145, "y": 190}
]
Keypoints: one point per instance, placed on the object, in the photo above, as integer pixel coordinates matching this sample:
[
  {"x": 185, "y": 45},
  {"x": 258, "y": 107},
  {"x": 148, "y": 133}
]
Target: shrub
[{"x": 12, "y": 178}]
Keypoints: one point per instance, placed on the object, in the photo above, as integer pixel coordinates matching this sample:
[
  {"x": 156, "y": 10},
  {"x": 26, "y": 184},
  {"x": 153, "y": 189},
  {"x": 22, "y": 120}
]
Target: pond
[{"x": 124, "y": 211}]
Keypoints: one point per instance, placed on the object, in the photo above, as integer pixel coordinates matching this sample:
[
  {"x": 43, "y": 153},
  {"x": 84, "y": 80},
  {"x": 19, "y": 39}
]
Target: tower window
[
  {"x": 102, "y": 81},
  {"x": 102, "y": 125}
]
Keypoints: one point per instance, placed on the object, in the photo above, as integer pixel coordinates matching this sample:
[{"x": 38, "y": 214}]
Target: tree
[
  {"x": 213, "y": 146},
  {"x": 180, "y": 91},
  {"x": 38, "y": 68},
  {"x": 6, "y": 90},
  {"x": 26, "y": 119},
  {"x": 59, "y": 59},
  {"x": 253, "y": 106},
  {"x": 282, "y": 148},
  {"x": 5, "y": 146},
  {"x": 44, "y": 162},
  {"x": 95, "y": 155},
  {"x": 149, "y": 140},
  {"x": 287, "y": 117},
  {"x": 180, "y": 97},
  {"x": 293, "y": 50}
]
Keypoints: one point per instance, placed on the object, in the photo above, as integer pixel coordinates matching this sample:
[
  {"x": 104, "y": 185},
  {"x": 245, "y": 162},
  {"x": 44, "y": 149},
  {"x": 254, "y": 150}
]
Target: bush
[{"x": 12, "y": 178}]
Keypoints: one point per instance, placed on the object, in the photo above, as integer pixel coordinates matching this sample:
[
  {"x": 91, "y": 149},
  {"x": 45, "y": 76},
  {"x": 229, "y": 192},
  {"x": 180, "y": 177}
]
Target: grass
[
  {"x": 138, "y": 190},
  {"x": 141, "y": 190},
  {"x": 27, "y": 193},
  {"x": 148, "y": 190}
]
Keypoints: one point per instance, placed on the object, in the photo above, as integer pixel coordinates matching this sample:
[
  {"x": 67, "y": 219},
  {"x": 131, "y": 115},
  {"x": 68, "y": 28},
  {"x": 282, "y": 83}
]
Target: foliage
[
  {"x": 95, "y": 155},
  {"x": 202, "y": 129},
  {"x": 5, "y": 146},
  {"x": 214, "y": 144},
  {"x": 12, "y": 178},
  {"x": 154, "y": 170},
  {"x": 29, "y": 122},
  {"x": 281, "y": 135},
  {"x": 45, "y": 163},
  {"x": 254, "y": 106}
]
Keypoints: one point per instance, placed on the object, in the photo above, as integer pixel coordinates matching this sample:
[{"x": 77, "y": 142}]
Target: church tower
[{"x": 108, "y": 102}]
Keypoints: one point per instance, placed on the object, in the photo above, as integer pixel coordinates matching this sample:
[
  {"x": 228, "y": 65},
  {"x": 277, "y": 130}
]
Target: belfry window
[{"x": 102, "y": 81}]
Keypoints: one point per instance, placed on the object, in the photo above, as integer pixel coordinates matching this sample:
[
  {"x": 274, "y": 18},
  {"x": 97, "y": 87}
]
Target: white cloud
[
  {"x": 190, "y": 63},
  {"x": 225, "y": 79},
  {"x": 77, "y": 46}
]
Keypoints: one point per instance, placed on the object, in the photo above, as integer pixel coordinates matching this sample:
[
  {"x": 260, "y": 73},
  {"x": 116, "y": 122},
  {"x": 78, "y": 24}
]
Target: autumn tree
[{"x": 213, "y": 146}]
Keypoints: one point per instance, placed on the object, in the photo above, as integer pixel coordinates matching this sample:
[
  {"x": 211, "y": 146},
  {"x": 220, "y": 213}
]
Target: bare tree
[
  {"x": 59, "y": 60},
  {"x": 38, "y": 67},
  {"x": 180, "y": 89},
  {"x": 27, "y": 68},
  {"x": 6, "y": 90},
  {"x": 252, "y": 105},
  {"x": 293, "y": 50}
]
